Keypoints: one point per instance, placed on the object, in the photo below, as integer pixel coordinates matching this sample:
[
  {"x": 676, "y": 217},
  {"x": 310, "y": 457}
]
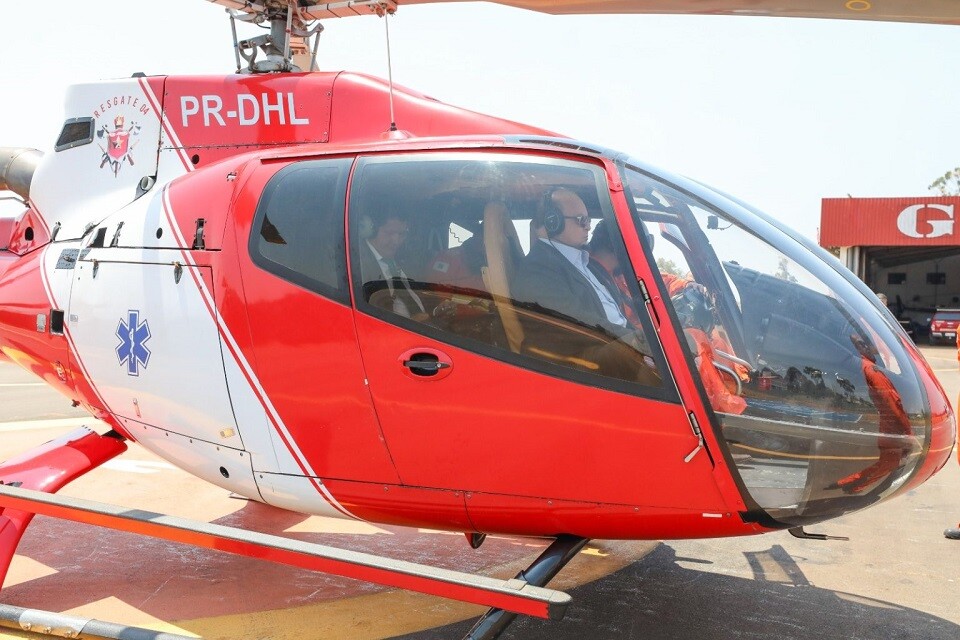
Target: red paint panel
[
  {"x": 499, "y": 428},
  {"x": 303, "y": 348},
  {"x": 361, "y": 112},
  {"x": 403, "y": 506},
  {"x": 203, "y": 194},
  {"x": 29, "y": 233},
  {"x": 920, "y": 221},
  {"x": 214, "y": 117},
  {"x": 514, "y": 515}
]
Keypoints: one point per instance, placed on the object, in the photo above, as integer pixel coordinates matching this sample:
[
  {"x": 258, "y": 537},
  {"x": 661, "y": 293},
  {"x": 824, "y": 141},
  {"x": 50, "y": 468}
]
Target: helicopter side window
[
  {"x": 76, "y": 132},
  {"x": 448, "y": 245},
  {"x": 298, "y": 226}
]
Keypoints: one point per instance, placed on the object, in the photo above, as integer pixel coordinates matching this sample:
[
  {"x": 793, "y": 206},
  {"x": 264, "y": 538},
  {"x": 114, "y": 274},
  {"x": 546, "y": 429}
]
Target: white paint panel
[
  {"x": 145, "y": 224},
  {"x": 84, "y": 184},
  {"x": 296, "y": 493},
  {"x": 219, "y": 465},
  {"x": 177, "y": 382},
  {"x": 253, "y": 422}
]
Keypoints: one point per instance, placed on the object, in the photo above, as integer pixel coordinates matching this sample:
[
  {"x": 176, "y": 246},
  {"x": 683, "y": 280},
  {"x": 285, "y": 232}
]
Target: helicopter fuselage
[{"x": 156, "y": 281}]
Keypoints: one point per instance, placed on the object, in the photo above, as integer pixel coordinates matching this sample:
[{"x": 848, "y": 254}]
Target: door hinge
[
  {"x": 648, "y": 301},
  {"x": 116, "y": 235},
  {"x": 695, "y": 427},
  {"x": 643, "y": 290}
]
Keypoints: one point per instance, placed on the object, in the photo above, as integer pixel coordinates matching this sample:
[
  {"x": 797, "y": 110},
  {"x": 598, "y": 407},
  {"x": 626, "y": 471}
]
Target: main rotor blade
[{"x": 932, "y": 11}]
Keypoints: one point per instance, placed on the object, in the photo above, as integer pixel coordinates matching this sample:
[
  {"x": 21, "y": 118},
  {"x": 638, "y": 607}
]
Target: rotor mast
[{"x": 291, "y": 24}]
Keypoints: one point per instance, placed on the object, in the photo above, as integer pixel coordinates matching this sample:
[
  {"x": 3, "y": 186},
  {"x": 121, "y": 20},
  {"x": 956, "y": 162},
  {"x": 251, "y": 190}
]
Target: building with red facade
[{"x": 906, "y": 248}]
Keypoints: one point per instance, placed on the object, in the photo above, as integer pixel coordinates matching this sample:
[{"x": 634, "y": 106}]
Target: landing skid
[
  {"x": 513, "y": 595},
  {"x": 27, "y": 484}
]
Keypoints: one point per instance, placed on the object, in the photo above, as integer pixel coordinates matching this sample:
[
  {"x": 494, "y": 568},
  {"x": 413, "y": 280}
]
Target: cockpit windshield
[{"x": 814, "y": 387}]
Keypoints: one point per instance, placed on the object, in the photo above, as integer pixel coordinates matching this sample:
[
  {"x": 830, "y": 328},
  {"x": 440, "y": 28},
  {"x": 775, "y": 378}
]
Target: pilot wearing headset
[
  {"x": 381, "y": 239},
  {"x": 557, "y": 274}
]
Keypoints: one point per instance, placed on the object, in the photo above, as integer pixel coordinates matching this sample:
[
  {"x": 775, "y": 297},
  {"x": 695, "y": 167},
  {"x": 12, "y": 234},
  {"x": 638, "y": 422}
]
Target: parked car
[{"x": 943, "y": 326}]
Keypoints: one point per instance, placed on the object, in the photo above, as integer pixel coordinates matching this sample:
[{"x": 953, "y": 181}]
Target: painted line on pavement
[{"x": 55, "y": 423}]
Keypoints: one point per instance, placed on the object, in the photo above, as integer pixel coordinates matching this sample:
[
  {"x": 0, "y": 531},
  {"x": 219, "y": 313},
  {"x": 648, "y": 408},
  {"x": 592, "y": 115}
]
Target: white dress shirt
[{"x": 580, "y": 258}]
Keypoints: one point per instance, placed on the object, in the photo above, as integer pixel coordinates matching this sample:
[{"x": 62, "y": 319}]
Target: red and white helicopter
[{"x": 262, "y": 279}]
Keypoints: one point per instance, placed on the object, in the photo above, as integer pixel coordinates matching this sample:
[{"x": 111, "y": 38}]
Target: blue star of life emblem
[{"x": 132, "y": 349}]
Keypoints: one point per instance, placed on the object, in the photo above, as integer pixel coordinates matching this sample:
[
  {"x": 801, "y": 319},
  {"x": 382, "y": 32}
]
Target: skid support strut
[
  {"x": 544, "y": 568},
  {"x": 48, "y": 468}
]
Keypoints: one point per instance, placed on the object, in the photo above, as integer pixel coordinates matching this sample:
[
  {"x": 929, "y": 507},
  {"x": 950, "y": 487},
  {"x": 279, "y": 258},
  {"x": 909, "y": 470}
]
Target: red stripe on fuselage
[
  {"x": 244, "y": 366},
  {"x": 148, "y": 91}
]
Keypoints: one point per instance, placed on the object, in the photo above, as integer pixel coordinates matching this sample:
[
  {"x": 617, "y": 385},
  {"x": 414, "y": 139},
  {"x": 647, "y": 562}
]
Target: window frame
[
  {"x": 79, "y": 142},
  {"x": 666, "y": 392},
  {"x": 339, "y": 293}
]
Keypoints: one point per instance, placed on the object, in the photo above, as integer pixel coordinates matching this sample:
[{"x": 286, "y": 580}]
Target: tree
[
  {"x": 783, "y": 271},
  {"x": 666, "y": 265},
  {"x": 948, "y": 184}
]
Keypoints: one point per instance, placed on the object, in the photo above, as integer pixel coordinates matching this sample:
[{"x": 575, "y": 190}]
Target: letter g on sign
[{"x": 907, "y": 221}]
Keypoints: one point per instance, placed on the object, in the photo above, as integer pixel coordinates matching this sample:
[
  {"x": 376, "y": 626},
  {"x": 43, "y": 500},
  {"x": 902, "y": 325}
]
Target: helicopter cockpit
[{"x": 820, "y": 396}]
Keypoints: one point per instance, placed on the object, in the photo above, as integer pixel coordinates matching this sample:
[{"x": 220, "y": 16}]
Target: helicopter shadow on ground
[{"x": 659, "y": 599}]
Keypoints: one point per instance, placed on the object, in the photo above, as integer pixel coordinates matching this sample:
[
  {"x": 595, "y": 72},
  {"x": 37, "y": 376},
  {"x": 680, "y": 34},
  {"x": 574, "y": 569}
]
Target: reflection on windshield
[{"x": 817, "y": 397}]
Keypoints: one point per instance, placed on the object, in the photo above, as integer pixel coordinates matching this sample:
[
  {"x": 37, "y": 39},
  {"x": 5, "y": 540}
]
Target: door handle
[{"x": 424, "y": 363}]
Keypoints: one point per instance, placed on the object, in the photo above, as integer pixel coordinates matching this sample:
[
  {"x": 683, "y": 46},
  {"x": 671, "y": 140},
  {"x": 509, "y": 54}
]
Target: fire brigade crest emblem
[{"x": 118, "y": 144}]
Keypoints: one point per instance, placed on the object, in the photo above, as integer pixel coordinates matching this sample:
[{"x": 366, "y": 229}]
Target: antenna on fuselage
[
  {"x": 386, "y": 22},
  {"x": 286, "y": 47}
]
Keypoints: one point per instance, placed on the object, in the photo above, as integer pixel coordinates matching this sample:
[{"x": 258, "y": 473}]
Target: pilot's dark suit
[{"x": 548, "y": 279}]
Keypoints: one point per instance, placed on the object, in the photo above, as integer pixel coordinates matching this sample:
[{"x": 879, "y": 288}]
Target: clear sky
[{"x": 780, "y": 112}]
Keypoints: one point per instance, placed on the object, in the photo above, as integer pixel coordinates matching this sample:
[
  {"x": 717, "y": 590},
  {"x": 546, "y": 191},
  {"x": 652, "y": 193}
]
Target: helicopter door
[
  {"x": 301, "y": 324},
  {"x": 491, "y": 372}
]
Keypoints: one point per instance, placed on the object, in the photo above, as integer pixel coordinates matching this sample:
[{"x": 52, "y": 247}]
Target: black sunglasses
[{"x": 583, "y": 221}]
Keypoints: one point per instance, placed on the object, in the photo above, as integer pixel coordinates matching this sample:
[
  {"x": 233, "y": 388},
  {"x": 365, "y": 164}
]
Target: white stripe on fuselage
[{"x": 244, "y": 365}]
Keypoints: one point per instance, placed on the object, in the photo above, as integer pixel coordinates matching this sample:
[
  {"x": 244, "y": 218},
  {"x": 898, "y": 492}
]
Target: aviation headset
[
  {"x": 368, "y": 224},
  {"x": 550, "y": 214}
]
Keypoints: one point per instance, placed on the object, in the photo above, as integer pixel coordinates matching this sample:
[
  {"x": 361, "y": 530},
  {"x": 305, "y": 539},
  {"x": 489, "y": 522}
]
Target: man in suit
[
  {"x": 558, "y": 276},
  {"x": 381, "y": 239},
  {"x": 557, "y": 281}
]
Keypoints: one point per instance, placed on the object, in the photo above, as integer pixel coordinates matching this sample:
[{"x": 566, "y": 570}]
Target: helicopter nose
[
  {"x": 803, "y": 465},
  {"x": 943, "y": 425}
]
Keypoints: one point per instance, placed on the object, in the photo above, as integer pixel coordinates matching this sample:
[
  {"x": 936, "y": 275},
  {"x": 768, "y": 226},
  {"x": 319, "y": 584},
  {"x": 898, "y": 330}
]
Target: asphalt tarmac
[{"x": 897, "y": 576}]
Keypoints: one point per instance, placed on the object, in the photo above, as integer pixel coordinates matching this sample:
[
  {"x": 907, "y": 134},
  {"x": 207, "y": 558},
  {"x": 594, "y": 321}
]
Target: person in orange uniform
[
  {"x": 893, "y": 422},
  {"x": 722, "y": 398}
]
